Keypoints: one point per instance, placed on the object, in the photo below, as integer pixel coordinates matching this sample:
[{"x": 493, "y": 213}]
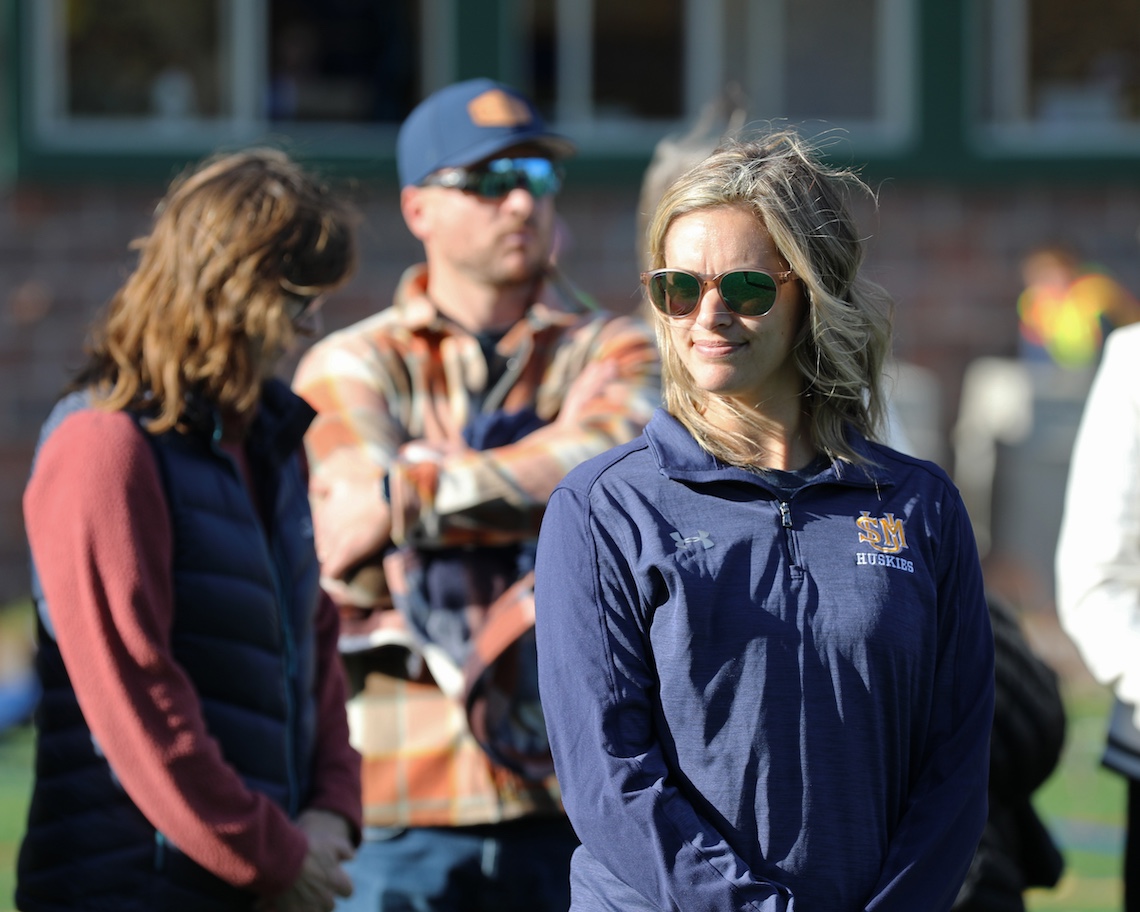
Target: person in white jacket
[{"x": 1098, "y": 564}]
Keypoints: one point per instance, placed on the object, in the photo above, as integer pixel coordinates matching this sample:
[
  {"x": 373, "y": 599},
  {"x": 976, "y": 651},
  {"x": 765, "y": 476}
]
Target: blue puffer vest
[{"x": 245, "y": 602}]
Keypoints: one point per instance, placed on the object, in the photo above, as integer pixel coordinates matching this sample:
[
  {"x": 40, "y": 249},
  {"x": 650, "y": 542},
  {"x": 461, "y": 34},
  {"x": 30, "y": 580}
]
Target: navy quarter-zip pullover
[{"x": 761, "y": 701}]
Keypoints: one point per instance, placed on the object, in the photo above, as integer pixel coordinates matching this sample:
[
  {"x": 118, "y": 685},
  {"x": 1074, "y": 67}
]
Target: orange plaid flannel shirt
[{"x": 408, "y": 374}]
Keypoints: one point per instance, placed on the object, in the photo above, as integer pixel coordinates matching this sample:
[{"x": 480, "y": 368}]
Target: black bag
[{"x": 1016, "y": 850}]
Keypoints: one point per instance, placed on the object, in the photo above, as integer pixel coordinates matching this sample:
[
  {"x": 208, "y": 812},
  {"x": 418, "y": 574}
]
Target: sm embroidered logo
[{"x": 885, "y": 534}]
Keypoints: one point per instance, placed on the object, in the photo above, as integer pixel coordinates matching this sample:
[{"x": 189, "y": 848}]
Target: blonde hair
[
  {"x": 231, "y": 239},
  {"x": 846, "y": 335}
]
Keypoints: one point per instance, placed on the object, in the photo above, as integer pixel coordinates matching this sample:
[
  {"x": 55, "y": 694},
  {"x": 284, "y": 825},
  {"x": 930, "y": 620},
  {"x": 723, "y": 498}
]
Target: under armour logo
[{"x": 701, "y": 538}]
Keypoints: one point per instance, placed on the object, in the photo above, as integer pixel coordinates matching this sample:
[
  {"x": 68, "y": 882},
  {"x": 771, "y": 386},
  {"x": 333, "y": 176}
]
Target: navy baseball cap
[{"x": 468, "y": 122}]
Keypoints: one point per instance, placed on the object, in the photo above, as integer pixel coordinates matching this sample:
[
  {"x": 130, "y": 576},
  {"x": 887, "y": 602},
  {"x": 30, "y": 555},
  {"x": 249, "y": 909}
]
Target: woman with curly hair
[
  {"x": 764, "y": 650},
  {"x": 192, "y": 745}
]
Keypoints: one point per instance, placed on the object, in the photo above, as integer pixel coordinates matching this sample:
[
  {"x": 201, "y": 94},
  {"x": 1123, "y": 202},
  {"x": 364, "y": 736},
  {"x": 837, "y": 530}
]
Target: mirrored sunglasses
[
  {"x": 748, "y": 292},
  {"x": 498, "y": 177}
]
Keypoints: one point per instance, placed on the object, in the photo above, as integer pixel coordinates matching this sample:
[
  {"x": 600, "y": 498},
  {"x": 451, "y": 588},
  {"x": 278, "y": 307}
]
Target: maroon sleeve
[
  {"x": 99, "y": 531},
  {"x": 336, "y": 768}
]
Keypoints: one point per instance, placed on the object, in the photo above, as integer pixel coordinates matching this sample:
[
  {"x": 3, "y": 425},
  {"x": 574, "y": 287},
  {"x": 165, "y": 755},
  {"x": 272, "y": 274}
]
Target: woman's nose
[{"x": 711, "y": 309}]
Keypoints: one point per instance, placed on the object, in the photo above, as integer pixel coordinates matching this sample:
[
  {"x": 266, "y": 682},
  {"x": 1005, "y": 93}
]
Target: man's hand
[
  {"x": 322, "y": 879},
  {"x": 351, "y": 519}
]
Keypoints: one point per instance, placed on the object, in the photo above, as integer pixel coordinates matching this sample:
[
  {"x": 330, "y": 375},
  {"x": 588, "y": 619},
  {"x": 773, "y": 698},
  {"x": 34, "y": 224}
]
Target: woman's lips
[{"x": 716, "y": 348}]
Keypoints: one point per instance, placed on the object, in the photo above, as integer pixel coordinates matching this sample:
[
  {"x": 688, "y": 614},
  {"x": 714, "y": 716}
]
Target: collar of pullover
[{"x": 680, "y": 457}]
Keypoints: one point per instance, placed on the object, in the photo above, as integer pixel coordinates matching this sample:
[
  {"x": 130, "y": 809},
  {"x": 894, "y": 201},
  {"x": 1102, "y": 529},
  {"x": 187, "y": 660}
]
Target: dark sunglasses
[
  {"x": 300, "y": 307},
  {"x": 497, "y": 178},
  {"x": 748, "y": 292}
]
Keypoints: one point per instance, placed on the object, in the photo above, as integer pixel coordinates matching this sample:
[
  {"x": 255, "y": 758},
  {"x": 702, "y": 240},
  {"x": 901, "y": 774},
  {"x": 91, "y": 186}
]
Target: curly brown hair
[{"x": 205, "y": 307}]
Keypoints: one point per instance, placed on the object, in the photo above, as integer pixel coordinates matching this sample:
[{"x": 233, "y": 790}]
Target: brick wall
[{"x": 949, "y": 256}]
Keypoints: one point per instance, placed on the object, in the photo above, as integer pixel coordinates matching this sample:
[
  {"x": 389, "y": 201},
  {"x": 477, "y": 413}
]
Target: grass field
[
  {"x": 1082, "y": 804},
  {"x": 15, "y": 756},
  {"x": 15, "y": 782}
]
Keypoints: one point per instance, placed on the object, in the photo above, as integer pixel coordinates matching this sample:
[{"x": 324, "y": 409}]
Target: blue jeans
[{"x": 518, "y": 866}]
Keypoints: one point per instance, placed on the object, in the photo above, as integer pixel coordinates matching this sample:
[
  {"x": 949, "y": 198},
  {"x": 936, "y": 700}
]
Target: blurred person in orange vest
[{"x": 1067, "y": 307}]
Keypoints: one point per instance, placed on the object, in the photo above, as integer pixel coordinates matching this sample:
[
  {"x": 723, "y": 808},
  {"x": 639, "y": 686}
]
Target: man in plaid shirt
[{"x": 444, "y": 423}]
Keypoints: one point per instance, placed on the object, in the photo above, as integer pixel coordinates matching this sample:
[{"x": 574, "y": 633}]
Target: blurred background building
[{"x": 987, "y": 127}]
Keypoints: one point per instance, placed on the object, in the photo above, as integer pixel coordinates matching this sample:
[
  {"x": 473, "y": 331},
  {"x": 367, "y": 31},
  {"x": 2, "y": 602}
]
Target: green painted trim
[
  {"x": 9, "y": 126},
  {"x": 941, "y": 101},
  {"x": 478, "y": 38},
  {"x": 24, "y": 150},
  {"x": 128, "y": 169},
  {"x": 611, "y": 170}
]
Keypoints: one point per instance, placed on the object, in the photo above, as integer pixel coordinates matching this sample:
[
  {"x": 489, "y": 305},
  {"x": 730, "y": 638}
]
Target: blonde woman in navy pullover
[{"x": 764, "y": 653}]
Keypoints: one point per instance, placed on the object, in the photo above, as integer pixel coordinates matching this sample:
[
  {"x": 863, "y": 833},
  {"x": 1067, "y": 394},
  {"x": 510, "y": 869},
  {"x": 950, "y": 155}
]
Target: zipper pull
[{"x": 785, "y": 514}]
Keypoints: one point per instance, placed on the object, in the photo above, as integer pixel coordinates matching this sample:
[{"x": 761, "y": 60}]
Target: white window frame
[
  {"x": 705, "y": 35},
  {"x": 242, "y": 60},
  {"x": 1012, "y": 132}
]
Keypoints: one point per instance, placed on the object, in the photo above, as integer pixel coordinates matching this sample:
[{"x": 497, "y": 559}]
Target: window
[
  {"x": 193, "y": 74},
  {"x": 131, "y": 60},
  {"x": 1056, "y": 78},
  {"x": 618, "y": 74},
  {"x": 342, "y": 60},
  {"x": 187, "y": 76},
  {"x": 606, "y": 62}
]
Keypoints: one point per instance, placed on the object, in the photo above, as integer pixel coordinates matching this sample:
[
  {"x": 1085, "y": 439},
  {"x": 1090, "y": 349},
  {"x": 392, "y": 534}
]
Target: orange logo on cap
[{"x": 495, "y": 108}]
